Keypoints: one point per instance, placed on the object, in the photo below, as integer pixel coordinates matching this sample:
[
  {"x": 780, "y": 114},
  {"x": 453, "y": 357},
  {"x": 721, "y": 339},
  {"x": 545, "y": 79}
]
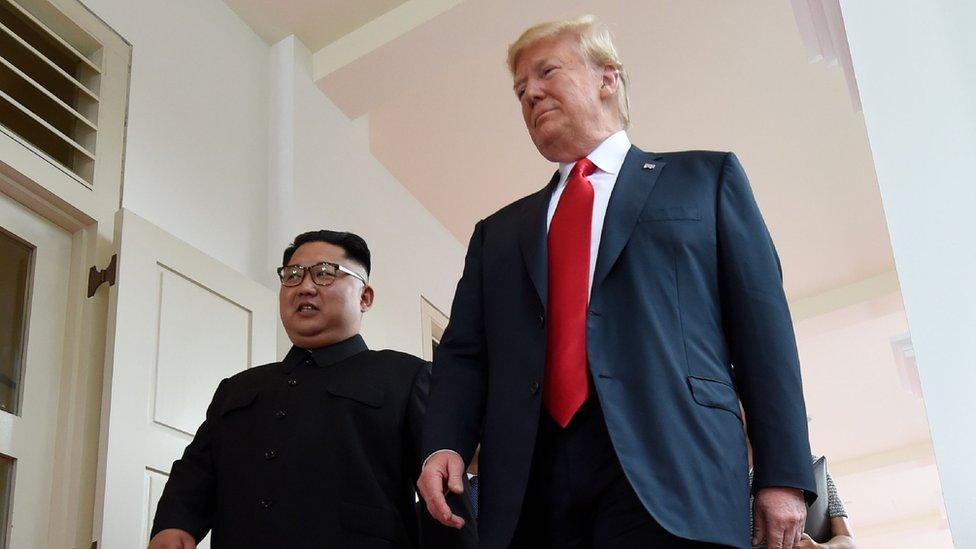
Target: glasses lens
[
  {"x": 291, "y": 276},
  {"x": 324, "y": 274}
]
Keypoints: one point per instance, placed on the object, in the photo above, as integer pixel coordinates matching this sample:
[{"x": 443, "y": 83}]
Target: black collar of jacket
[{"x": 325, "y": 356}]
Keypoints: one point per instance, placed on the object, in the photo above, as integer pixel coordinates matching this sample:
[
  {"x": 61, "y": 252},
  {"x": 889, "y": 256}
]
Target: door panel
[{"x": 180, "y": 321}]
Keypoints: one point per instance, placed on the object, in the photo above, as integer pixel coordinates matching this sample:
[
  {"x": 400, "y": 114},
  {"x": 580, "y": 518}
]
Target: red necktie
[{"x": 565, "y": 388}]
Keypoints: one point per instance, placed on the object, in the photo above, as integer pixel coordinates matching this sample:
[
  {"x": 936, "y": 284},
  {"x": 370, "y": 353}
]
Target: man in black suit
[
  {"x": 318, "y": 450},
  {"x": 604, "y": 330}
]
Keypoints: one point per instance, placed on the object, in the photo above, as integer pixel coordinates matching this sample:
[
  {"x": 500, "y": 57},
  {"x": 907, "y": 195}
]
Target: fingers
[
  {"x": 455, "y": 470},
  {"x": 780, "y": 514},
  {"x": 758, "y": 527},
  {"x": 439, "y": 509},
  {"x": 431, "y": 487},
  {"x": 774, "y": 536},
  {"x": 780, "y": 534},
  {"x": 791, "y": 538}
]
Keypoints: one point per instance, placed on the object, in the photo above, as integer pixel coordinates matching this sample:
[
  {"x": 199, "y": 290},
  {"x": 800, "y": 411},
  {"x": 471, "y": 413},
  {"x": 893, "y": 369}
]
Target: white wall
[
  {"x": 323, "y": 176},
  {"x": 196, "y": 149},
  {"x": 916, "y": 73}
]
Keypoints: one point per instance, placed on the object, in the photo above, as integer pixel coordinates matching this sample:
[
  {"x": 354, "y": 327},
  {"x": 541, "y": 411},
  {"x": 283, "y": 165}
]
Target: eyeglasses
[{"x": 323, "y": 274}]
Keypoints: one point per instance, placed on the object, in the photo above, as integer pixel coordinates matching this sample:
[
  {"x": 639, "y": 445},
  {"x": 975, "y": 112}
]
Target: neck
[
  {"x": 580, "y": 146},
  {"x": 325, "y": 339}
]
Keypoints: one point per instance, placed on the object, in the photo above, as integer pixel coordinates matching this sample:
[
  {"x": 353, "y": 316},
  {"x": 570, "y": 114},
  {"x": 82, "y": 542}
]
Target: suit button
[
  {"x": 280, "y": 414},
  {"x": 292, "y": 382},
  {"x": 542, "y": 320},
  {"x": 534, "y": 387},
  {"x": 265, "y": 503},
  {"x": 270, "y": 454}
]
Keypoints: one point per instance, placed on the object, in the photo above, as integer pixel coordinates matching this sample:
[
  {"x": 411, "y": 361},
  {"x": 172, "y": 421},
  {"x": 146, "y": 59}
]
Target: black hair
[{"x": 353, "y": 244}]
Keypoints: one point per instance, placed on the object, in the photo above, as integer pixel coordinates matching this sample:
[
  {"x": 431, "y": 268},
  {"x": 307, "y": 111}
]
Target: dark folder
[{"x": 818, "y": 523}]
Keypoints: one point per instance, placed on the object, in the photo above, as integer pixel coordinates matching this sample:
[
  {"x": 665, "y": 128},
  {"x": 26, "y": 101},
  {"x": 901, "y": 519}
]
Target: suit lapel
[
  {"x": 637, "y": 178},
  {"x": 532, "y": 238}
]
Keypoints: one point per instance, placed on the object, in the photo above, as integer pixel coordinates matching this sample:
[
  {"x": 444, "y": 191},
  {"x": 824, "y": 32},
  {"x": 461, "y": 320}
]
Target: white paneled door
[
  {"x": 34, "y": 263},
  {"x": 180, "y": 321}
]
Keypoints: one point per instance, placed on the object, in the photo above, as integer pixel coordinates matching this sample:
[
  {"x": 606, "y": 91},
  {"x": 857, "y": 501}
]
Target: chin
[
  {"x": 552, "y": 148},
  {"x": 547, "y": 148}
]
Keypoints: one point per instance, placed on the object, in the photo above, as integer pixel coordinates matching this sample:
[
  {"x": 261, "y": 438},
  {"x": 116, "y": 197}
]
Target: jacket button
[
  {"x": 542, "y": 320},
  {"x": 270, "y": 454},
  {"x": 280, "y": 414},
  {"x": 292, "y": 382},
  {"x": 534, "y": 387},
  {"x": 265, "y": 503}
]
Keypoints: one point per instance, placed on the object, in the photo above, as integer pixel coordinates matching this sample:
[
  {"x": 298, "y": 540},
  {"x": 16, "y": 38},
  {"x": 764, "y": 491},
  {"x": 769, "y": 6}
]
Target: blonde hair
[{"x": 595, "y": 45}]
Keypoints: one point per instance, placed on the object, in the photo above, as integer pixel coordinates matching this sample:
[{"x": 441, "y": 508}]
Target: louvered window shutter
[{"x": 50, "y": 73}]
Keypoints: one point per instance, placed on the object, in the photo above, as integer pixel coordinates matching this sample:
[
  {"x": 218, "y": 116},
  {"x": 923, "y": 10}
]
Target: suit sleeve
[
  {"x": 188, "y": 500},
  {"x": 458, "y": 387},
  {"x": 416, "y": 412},
  {"x": 759, "y": 333}
]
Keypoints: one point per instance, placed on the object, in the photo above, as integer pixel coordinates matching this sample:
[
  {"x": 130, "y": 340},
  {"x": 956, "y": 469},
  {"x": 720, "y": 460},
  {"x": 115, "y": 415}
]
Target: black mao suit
[
  {"x": 319, "y": 450},
  {"x": 687, "y": 315}
]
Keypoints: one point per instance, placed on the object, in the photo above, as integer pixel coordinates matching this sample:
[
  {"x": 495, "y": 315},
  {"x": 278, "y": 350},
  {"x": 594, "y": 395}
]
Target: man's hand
[
  {"x": 442, "y": 469},
  {"x": 780, "y": 514},
  {"x": 807, "y": 543},
  {"x": 171, "y": 538}
]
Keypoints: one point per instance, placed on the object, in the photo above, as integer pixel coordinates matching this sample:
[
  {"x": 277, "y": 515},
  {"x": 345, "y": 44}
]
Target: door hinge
[{"x": 97, "y": 277}]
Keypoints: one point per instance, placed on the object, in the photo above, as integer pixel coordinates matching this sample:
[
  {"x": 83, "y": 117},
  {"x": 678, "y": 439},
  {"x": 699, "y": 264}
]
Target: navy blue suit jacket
[{"x": 687, "y": 316}]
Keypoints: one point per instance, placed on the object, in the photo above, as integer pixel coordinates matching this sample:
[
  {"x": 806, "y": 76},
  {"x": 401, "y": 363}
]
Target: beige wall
[
  {"x": 196, "y": 146},
  {"x": 324, "y": 176}
]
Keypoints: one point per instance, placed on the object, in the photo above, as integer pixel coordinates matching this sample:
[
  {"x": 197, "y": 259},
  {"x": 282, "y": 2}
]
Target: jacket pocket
[
  {"x": 369, "y": 395},
  {"x": 674, "y": 213},
  {"x": 370, "y": 521},
  {"x": 714, "y": 394},
  {"x": 237, "y": 401}
]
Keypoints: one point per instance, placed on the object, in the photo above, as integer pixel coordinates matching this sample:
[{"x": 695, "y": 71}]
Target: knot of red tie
[{"x": 584, "y": 167}]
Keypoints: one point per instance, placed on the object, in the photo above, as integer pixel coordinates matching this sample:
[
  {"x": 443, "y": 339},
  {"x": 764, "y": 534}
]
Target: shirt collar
[
  {"x": 608, "y": 156},
  {"x": 328, "y": 355}
]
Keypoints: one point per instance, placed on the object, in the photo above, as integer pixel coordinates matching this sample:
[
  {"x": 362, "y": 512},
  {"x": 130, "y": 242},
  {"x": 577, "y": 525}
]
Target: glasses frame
[{"x": 306, "y": 269}]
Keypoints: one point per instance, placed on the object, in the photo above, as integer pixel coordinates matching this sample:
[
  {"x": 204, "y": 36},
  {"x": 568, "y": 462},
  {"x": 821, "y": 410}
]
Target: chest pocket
[
  {"x": 364, "y": 393},
  {"x": 674, "y": 213},
  {"x": 237, "y": 401}
]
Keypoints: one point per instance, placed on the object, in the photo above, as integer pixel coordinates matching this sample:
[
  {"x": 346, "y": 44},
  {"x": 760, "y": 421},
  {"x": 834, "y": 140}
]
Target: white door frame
[{"x": 29, "y": 433}]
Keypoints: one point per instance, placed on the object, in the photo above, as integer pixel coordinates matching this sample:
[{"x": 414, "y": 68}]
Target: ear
[
  {"x": 366, "y": 298},
  {"x": 609, "y": 81}
]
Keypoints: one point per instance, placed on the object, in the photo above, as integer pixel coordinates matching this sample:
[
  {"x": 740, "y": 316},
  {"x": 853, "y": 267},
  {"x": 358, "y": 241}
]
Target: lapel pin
[{"x": 650, "y": 166}]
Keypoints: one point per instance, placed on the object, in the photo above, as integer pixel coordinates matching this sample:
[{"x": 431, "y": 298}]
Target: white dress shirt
[{"x": 608, "y": 158}]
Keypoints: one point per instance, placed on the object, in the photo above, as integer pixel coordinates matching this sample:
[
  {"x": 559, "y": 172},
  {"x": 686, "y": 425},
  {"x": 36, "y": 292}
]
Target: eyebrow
[{"x": 535, "y": 67}]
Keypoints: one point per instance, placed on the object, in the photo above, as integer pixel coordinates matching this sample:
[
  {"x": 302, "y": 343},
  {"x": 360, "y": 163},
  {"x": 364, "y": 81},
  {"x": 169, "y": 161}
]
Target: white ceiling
[
  {"x": 316, "y": 23},
  {"x": 712, "y": 75},
  {"x": 705, "y": 75}
]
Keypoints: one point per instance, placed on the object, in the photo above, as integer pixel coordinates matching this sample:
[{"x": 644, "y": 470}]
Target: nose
[
  {"x": 534, "y": 92},
  {"x": 307, "y": 287}
]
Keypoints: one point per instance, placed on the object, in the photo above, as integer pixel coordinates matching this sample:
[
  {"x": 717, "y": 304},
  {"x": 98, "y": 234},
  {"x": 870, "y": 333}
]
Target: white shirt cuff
[{"x": 438, "y": 452}]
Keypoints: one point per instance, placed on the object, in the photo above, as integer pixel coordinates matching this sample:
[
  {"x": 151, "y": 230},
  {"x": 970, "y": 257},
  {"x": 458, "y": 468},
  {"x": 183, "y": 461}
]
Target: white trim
[{"x": 433, "y": 323}]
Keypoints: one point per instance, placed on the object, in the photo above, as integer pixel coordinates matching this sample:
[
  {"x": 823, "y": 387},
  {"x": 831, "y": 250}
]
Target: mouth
[
  {"x": 306, "y": 309},
  {"x": 539, "y": 116}
]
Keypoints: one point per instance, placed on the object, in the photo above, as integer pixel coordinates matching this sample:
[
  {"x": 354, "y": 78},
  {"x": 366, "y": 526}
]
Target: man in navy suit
[{"x": 604, "y": 331}]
